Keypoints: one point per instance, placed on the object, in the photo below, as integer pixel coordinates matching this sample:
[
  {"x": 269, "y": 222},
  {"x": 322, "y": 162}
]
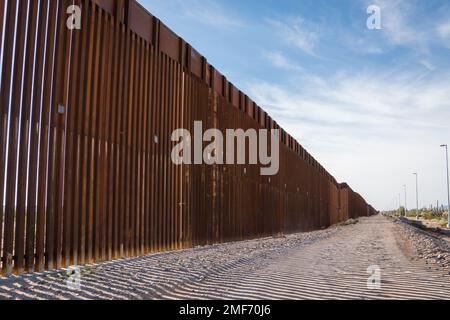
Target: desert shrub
[
  {"x": 428, "y": 215},
  {"x": 411, "y": 214}
]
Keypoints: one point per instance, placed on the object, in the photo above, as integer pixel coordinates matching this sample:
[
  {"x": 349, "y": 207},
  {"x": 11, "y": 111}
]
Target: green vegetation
[
  {"x": 400, "y": 212},
  {"x": 432, "y": 215}
]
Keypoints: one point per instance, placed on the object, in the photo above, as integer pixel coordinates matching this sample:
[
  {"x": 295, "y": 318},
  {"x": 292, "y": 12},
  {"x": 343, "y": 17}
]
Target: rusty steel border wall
[{"x": 85, "y": 123}]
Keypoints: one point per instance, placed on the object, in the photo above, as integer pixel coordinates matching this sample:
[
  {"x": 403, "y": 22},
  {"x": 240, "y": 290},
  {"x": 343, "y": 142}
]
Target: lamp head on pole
[{"x": 443, "y": 146}]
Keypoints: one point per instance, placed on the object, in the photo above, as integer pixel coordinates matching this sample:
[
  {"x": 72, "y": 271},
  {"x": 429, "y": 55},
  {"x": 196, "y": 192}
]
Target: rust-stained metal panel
[
  {"x": 196, "y": 63},
  {"x": 169, "y": 42},
  {"x": 10, "y": 208},
  {"x": 218, "y": 83},
  {"x": 109, "y": 6},
  {"x": 234, "y": 96},
  {"x": 140, "y": 21}
]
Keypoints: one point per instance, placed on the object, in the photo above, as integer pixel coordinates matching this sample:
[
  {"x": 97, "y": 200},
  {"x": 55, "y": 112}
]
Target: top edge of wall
[{"x": 144, "y": 24}]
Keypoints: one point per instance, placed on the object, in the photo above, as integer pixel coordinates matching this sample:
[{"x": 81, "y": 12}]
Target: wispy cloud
[
  {"x": 282, "y": 62},
  {"x": 428, "y": 65},
  {"x": 444, "y": 30},
  {"x": 366, "y": 122},
  {"x": 397, "y": 22},
  {"x": 403, "y": 25},
  {"x": 296, "y": 32},
  {"x": 362, "y": 44},
  {"x": 366, "y": 99}
]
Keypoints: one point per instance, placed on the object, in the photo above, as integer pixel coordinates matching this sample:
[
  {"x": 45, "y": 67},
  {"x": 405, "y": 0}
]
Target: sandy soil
[{"x": 326, "y": 264}]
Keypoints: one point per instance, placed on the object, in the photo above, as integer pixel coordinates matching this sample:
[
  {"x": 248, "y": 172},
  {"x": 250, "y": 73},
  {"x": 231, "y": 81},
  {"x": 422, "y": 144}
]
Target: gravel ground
[
  {"x": 325, "y": 264},
  {"x": 433, "y": 248}
]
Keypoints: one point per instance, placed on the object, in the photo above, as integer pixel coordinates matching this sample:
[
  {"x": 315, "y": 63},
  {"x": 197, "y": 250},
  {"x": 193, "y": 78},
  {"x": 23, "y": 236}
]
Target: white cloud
[
  {"x": 364, "y": 45},
  {"x": 444, "y": 30},
  {"x": 396, "y": 21},
  {"x": 427, "y": 64},
  {"x": 368, "y": 127},
  {"x": 280, "y": 61},
  {"x": 404, "y": 25},
  {"x": 296, "y": 32}
]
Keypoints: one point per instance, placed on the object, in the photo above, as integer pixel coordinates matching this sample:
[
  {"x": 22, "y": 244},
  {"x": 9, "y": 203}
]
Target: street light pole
[
  {"x": 448, "y": 184},
  {"x": 406, "y": 210},
  {"x": 417, "y": 195}
]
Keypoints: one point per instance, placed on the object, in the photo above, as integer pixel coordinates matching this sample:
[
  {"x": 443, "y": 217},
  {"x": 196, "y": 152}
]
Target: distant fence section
[{"x": 85, "y": 150}]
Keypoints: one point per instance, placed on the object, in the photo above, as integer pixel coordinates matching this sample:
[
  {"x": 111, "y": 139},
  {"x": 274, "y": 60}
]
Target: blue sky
[{"x": 372, "y": 106}]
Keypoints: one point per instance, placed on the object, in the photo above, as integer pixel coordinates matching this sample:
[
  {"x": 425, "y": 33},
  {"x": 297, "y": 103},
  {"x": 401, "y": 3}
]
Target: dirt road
[{"x": 326, "y": 264}]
